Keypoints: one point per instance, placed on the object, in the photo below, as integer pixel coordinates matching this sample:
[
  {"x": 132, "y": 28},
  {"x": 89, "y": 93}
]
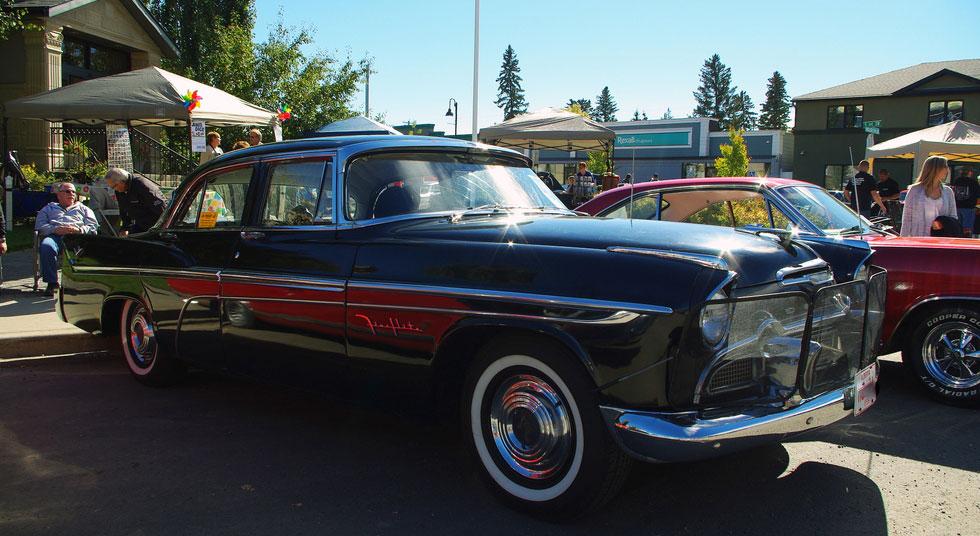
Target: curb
[{"x": 14, "y": 347}]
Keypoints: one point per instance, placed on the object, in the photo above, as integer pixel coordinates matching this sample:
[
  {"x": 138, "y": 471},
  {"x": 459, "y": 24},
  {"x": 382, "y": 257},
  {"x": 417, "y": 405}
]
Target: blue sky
[{"x": 649, "y": 52}]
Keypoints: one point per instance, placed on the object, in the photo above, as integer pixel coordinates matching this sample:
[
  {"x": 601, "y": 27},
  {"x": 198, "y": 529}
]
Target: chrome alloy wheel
[
  {"x": 531, "y": 427},
  {"x": 142, "y": 344},
  {"x": 951, "y": 355}
]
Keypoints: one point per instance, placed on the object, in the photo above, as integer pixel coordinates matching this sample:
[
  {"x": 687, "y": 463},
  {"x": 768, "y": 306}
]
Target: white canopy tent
[
  {"x": 958, "y": 141},
  {"x": 149, "y": 96},
  {"x": 550, "y": 128}
]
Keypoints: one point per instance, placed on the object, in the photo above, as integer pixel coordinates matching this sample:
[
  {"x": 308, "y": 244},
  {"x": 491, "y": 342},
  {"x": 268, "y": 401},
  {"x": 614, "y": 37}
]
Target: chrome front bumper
[{"x": 687, "y": 436}]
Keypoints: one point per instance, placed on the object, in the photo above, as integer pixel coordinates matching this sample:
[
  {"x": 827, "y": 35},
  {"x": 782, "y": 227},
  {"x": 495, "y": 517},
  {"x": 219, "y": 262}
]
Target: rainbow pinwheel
[
  {"x": 283, "y": 114},
  {"x": 191, "y": 100}
]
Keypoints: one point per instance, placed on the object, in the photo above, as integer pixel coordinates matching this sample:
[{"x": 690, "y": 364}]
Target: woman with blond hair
[
  {"x": 212, "y": 150},
  {"x": 928, "y": 199}
]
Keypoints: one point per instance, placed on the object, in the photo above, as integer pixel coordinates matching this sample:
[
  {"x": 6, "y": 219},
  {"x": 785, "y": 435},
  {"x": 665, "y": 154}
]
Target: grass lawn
[{"x": 22, "y": 237}]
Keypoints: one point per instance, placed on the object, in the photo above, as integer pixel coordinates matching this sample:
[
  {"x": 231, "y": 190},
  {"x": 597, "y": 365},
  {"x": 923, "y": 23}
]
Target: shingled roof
[{"x": 888, "y": 84}]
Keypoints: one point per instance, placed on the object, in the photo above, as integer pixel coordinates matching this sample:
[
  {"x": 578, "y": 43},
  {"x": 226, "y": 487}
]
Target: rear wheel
[
  {"x": 533, "y": 422},
  {"x": 148, "y": 363},
  {"x": 943, "y": 352}
]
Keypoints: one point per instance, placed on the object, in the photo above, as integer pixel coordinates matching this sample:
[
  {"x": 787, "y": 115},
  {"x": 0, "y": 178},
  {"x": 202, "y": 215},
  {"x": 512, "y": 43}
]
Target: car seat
[{"x": 393, "y": 199}]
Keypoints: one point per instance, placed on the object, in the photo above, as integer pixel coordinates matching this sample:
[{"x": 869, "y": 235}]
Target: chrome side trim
[
  {"x": 181, "y": 274},
  {"x": 707, "y": 261},
  {"x": 114, "y": 270},
  {"x": 257, "y": 278},
  {"x": 799, "y": 273},
  {"x": 534, "y": 299},
  {"x": 285, "y": 300},
  {"x": 618, "y": 317},
  {"x": 687, "y": 436}
]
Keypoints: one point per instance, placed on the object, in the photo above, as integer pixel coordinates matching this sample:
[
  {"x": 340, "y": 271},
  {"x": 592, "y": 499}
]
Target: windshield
[
  {"x": 823, "y": 209},
  {"x": 391, "y": 184}
]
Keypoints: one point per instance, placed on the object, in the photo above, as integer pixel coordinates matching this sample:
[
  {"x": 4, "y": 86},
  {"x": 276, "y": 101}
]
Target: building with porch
[
  {"x": 830, "y": 123},
  {"x": 79, "y": 40}
]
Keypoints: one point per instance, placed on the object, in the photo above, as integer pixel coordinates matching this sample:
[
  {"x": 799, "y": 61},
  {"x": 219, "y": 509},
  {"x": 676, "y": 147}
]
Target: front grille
[
  {"x": 733, "y": 374},
  {"x": 780, "y": 344}
]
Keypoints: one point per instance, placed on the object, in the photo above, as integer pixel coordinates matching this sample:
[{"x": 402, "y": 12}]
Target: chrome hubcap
[
  {"x": 531, "y": 427},
  {"x": 142, "y": 342},
  {"x": 951, "y": 355}
]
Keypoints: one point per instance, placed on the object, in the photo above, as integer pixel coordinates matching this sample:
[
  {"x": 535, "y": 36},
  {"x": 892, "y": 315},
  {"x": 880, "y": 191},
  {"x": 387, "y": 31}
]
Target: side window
[
  {"x": 780, "y": 220},
  {"x": 300, "y": 193},
  {"x": 217, "y": 202},
  {"x": 642, "y": 208},
  {"x": 750, "y": 212},
  {"x": 714, "y": 214}
]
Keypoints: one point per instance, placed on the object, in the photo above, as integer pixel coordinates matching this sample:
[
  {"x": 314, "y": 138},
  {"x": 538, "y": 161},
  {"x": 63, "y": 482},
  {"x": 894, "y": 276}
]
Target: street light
[{"x": 449, "y": 113}]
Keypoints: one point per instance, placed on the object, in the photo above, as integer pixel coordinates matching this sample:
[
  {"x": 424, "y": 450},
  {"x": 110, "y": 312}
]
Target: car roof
[{"x": 335, "y": 142}]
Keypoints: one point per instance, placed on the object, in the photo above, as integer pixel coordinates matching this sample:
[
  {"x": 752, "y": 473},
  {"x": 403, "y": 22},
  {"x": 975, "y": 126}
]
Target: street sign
[
  {"x": 872, "y": 130},
  {"x": 873, "y": 124}
]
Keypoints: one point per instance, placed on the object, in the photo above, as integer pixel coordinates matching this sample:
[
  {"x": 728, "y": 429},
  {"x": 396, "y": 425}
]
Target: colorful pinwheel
[
  {"x": 283, "y": 114},
  {"x": 191, "y": 100}
]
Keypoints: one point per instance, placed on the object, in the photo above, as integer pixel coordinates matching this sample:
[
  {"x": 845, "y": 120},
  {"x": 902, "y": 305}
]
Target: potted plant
[{"x": 76, "y": 151}]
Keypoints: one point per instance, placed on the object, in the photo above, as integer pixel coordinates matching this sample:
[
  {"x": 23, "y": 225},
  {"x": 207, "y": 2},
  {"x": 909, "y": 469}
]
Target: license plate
[{"x": 864, "y": 388}]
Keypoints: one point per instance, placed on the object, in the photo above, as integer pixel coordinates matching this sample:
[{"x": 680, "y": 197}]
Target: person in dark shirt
[
  {"x": 888, "y": 190},
  {"x": 861, "y": 191},
  {"x": 967, "y": 191},
  {"x": 140, "y": 200}
]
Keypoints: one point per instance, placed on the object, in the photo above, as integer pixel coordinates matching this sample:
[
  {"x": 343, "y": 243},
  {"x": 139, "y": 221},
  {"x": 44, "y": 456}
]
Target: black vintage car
[{"x": 571, "y": 344}]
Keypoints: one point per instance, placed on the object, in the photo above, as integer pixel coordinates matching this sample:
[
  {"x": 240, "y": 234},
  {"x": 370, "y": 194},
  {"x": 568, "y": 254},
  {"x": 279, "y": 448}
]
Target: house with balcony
[{"x": 830, "y": 134}]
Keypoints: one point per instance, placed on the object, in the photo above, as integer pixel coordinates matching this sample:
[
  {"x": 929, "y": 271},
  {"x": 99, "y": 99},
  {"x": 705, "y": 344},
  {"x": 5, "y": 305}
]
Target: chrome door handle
[
  {"x": 253, "y": 235},
  {"x": 168, "y": 237}
]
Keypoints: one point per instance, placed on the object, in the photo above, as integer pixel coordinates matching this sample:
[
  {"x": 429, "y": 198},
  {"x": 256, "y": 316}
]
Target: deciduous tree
[
  {"x": 776, "y": 109},
  {"x": 584, "y": 106},
  {"x": 734, "y": 159},
  {"x": 510, "y": 96},
  {"x": 12, "y": 19},
  {"x": 317, "y": 87}
]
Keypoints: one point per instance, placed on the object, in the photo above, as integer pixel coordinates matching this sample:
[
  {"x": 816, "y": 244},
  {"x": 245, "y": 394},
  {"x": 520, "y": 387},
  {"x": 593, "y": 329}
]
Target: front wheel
[
  {"x": 531, "y": 417},
  {"x": 943, "y": 353},
  {"x": 147, "y": 361}
]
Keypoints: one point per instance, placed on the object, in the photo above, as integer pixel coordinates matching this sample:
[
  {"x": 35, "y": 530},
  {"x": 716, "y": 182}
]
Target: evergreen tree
[
  {"x": 734, "y": 159},
  {"x": 510, "y": 96},
  {"x": 636, "y": 115},
  {"x": 645, "y": 118},
  {"x": 714, "y": 95},
  {"x": 776, "y": 109},
  {"x": 605, "y": 106},
  {"x": 743, "y": 116},
  {"x": 667, "y": 115},
  {"x": 584, "y": 105}
]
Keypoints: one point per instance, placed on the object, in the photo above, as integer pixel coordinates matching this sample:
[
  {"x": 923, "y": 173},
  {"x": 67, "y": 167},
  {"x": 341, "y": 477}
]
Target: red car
[{"x": 932, "y": 312}]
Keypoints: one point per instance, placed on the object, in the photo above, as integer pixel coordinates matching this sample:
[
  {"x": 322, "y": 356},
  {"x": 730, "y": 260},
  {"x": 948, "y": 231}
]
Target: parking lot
[{"x": 84, "y": 449}]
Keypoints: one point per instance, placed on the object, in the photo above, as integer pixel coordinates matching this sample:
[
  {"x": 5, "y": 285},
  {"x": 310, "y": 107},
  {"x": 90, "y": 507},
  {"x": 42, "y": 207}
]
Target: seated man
[{"x": 58, "y": 219}]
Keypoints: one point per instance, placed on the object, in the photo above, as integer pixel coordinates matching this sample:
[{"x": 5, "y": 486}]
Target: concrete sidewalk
[{"x": 29, "y": 325}]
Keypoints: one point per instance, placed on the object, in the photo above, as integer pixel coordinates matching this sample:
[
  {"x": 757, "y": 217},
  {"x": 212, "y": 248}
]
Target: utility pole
[{"x": 476, "y": 67}]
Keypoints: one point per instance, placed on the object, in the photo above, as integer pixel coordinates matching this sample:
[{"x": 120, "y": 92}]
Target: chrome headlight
[{"x": 716, "y": 319}]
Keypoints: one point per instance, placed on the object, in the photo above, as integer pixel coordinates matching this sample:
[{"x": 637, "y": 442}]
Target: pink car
[{"x": 932, "y": 312}]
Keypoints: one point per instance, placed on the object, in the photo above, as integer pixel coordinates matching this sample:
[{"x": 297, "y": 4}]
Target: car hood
[{"x": 755, "y": 259}]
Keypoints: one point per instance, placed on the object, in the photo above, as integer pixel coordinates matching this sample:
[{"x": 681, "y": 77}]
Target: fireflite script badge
[{"x": 394, "y": 324}]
